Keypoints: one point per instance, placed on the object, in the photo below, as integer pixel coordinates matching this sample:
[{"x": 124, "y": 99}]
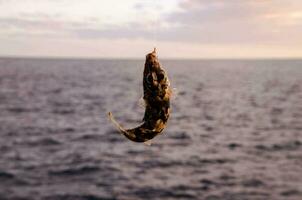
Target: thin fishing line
[{"x": 156, "y": 22}]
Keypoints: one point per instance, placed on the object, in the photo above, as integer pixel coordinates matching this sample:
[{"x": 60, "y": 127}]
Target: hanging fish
[{"x": 157, "y": 94}]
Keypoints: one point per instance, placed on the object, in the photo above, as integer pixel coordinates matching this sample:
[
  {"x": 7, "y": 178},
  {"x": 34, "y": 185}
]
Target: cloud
[
  {"x": 237, "y": 21},
  {"x": 93, "y": 19},
  {"x": 207, "y": 23}
]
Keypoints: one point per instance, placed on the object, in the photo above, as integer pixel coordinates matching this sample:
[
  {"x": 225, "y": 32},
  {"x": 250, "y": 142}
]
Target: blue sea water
[{"x": 235, "y": 131}]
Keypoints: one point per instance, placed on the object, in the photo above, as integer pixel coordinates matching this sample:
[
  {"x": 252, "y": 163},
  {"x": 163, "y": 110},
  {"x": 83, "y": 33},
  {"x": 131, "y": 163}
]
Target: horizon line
[{"x": 138, "y": 58}]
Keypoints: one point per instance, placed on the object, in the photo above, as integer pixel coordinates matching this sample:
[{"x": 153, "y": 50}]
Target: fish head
[
  {"x": 151, "y": 57},
  {"x": 152, "y": 60}
]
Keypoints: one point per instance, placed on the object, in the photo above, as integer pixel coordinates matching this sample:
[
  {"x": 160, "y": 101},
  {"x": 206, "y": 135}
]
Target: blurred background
[{"x": 236, "y": 122}]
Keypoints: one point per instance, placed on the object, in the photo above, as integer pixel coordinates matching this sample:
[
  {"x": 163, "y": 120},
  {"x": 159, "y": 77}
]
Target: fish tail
[{"x": 128, "y": 133}]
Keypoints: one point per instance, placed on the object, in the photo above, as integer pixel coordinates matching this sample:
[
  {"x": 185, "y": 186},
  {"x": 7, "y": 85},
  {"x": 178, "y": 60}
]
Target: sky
[{"x": 131, "y": 28}]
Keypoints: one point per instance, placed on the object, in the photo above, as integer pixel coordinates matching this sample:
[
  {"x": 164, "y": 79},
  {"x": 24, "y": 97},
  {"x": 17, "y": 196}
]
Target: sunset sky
[{"x": 131, "y": 28}]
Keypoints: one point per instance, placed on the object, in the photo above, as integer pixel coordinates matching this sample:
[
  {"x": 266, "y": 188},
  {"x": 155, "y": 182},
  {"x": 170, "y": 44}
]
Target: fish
[{"x": 157, "y": 96}]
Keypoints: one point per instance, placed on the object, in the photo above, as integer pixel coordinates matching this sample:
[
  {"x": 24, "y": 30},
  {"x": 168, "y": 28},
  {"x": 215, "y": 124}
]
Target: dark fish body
[{"x": 157, "y": 94}]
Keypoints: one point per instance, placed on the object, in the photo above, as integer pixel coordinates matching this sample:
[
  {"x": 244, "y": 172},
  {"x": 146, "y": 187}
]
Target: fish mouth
[
  {"x": 152, "y": 56},
  {"x": 154, "y": 50}
]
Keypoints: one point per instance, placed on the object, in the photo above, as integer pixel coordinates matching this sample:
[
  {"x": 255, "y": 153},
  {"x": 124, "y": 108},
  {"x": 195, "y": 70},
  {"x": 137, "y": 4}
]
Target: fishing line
[
  {"x": 153, "y": 8},
  {"x": 155, "y": 22}
]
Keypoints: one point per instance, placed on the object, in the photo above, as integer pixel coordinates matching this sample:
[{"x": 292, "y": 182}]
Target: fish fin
[
  {"x": 128, "y": 133},
  {"x": 117, "y": 125},
  {"x": 148, "y": 142}
]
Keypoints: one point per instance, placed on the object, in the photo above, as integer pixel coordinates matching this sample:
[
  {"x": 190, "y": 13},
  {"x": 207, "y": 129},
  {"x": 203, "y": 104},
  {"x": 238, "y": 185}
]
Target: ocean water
[{"x": 235, "y": 131}]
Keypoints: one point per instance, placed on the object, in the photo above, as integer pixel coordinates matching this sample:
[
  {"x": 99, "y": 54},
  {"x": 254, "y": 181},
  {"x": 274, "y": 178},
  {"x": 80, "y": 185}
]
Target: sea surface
[{"x": 235, "y": 131}]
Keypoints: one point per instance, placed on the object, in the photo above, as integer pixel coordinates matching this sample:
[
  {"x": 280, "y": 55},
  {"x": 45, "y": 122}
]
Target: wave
[{"x": 74, "y": 171}]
